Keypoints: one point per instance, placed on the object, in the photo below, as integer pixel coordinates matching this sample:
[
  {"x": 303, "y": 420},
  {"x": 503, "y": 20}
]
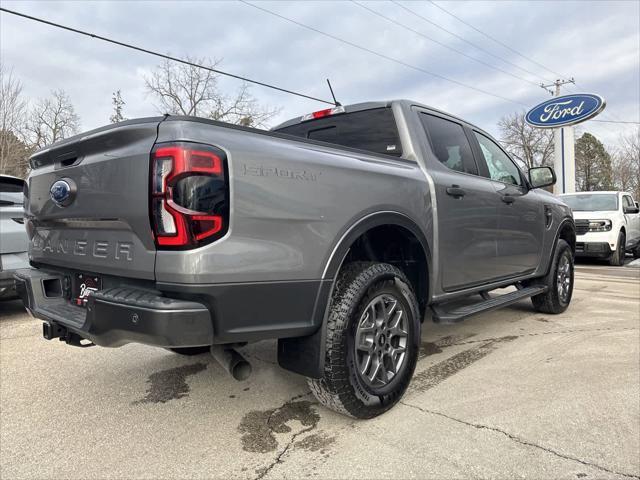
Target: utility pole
[{"x": 564, "y": 148}]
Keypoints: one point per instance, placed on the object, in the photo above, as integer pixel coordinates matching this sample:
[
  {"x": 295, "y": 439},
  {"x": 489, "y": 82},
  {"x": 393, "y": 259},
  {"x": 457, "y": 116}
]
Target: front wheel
[
  {"x": 372, "y": 341},
  {"x": 617, "y": 257},
  {"x": 559, "y": 282}
]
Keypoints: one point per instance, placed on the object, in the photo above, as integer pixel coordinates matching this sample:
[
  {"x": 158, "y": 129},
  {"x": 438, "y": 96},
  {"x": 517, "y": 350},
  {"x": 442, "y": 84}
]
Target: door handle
[
  {"x": 455, "y": 191},
  {"x": 508, "y": 199}
]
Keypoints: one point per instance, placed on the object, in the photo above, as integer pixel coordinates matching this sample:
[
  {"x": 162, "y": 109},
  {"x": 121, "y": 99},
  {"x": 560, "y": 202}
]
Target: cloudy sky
[{"x": 598, "y": 43}]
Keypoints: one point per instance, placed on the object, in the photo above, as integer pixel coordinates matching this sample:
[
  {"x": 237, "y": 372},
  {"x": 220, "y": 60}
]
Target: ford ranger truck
[
  {"x": 607, "y": 225},
  {"x": 336, "y": 233}
]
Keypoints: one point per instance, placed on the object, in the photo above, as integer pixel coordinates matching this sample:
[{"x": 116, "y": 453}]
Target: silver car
[{"x": 13, "y": 236}]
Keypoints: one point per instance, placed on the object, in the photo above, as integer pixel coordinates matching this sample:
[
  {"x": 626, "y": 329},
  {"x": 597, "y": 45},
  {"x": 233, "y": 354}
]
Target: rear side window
[
  {"x": 627, "y": 201},
  {"x": 449, "y": 143},
  {"x": 372, "y": 130}
]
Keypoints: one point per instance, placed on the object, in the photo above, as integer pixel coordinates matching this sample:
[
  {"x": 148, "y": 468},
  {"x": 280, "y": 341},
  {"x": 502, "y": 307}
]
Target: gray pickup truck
[{"x": 336, "y": 233}]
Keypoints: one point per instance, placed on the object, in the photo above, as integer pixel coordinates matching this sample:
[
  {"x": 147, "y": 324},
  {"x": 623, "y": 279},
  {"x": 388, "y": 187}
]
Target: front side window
[
  {"x": 449, "y": 143},
  {"x": 500, "y": 166},
  {"x": 627, "y": 201}
]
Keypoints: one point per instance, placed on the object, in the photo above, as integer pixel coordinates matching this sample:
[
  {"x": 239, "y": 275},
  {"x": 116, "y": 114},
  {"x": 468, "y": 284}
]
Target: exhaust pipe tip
[
  {"x": 241, "y": 370},
  {"x": 232, "y": 361}
]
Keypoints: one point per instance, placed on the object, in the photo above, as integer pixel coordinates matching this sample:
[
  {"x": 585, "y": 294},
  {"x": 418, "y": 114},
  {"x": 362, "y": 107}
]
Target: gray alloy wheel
[
  {"x": 372, "y": 340},
  {"x": 559, "y": 282},
  {"x": 564, "y": 278},
  {"x": 381, "y": 341}
]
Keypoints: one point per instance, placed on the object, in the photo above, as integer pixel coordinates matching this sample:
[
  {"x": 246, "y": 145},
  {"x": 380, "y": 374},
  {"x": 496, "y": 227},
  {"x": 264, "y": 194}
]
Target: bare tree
[
  {"x": 187, "y": 90},
  {"x": 531, "y": 146},
  {"x": 118, "y": 107},
  {"x": 626, "y": 164},
  {"x": 52, "y": 119},
  {"x": 13, "y": 151}
]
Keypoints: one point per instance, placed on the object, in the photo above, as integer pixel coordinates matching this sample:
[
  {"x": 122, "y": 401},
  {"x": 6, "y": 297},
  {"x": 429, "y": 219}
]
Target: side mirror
[
  {"x": 630, "y": 210},
  {"x": 541, "y": 177}
]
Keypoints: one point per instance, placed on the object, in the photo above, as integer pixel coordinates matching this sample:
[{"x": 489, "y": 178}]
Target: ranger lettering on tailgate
[{"x": 98, "y": 248}]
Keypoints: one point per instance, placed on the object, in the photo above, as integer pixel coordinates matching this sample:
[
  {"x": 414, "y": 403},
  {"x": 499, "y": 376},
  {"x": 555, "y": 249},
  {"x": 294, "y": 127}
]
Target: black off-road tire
[
  {"x": 617, "y": 258},
  {"x": 550, "y": 301},
  {"x": 191, "y": 351},
  {"x": 341, "y": 388}
]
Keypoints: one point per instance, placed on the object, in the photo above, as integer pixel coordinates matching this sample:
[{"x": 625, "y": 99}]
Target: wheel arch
[{"x": 372, "y": 237}]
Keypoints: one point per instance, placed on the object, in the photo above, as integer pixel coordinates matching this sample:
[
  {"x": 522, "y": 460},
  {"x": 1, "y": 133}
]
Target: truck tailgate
[{"x": 104, "y": 226}]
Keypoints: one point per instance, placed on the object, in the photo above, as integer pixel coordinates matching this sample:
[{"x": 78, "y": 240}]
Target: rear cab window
[
  {"x": 449, "y": 143},
  {"x": 373, "y": 130}
]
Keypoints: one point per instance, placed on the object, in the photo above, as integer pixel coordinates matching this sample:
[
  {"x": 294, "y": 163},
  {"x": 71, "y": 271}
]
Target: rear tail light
[{"x": 189, "y": 194}]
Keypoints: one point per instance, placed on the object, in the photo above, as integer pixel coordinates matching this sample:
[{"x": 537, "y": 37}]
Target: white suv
[{"x": 607, "y": 224}]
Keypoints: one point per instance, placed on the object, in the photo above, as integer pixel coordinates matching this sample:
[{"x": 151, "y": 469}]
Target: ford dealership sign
[{"x": 565, "y": 110}]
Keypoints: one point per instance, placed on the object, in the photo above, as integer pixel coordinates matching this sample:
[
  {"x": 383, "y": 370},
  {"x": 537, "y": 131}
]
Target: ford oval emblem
[
  {"x": 63, "y": 192},
  {"x": 565, "y": 110}
]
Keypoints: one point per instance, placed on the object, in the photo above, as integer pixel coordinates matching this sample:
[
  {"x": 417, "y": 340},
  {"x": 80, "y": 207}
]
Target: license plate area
[{"x": 83, "y": 285}]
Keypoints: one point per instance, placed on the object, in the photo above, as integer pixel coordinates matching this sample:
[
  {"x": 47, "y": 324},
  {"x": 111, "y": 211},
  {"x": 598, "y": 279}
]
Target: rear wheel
[
  {"x": 559, "y": 282},
  {"x": 372, "y": 341},
  {"x": 190, "y": 351},
  {"x": 617, "y": 257}
]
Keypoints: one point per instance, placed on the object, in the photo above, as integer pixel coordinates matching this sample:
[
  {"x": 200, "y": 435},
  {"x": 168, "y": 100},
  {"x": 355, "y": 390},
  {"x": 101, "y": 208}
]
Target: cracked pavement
[{"x": 508, "y": 394}]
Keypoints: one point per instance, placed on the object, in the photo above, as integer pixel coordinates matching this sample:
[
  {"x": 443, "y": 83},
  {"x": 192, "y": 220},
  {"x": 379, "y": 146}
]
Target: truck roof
[{"x": 355, "y": 107}]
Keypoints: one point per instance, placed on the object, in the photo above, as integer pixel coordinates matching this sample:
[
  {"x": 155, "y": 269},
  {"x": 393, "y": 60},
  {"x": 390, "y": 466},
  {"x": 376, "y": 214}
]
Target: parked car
[
  {"x": 335, "y": 233},
  {"x": 13, "y": 237},
  {"x": 607, "y": 225}
]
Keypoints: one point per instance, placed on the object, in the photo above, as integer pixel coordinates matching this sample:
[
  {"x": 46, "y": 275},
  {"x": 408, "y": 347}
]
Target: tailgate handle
[{"x": 67, "y": 159}]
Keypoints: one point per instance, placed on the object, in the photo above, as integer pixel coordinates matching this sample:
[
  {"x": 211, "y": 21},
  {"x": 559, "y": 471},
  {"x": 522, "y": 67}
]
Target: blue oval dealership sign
[{"x": 565, "y": 110}]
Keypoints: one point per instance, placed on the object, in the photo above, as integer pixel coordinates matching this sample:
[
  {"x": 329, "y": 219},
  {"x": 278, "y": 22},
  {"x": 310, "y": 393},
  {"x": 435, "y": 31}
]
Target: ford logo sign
[
  {"x": 565, "y": 110},
  {"x": 63, "y": 192}
]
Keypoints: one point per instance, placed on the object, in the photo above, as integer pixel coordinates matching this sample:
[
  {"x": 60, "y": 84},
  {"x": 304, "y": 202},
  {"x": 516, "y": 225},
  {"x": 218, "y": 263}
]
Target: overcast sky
[{"x": 598, "y": 43}]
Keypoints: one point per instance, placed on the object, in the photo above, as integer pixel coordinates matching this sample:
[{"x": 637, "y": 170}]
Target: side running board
[{"x": 458, "y": 314}]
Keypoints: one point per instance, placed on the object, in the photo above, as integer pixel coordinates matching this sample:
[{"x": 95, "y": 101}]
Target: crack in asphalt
[
  {"x": 264, "y": 471},
  {"x": 521, "y": 441}
]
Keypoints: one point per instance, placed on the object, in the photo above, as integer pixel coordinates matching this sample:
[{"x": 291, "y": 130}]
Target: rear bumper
[
  {"x": 115, "y": 316},
  {"x": 593, "y": 249}
]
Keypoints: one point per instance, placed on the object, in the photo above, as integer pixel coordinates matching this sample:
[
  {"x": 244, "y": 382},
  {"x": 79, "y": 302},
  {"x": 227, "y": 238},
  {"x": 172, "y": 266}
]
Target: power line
[
  {"x": 161, "y": 55},
  {"x": 459, "y": 37},
  {"x": 381, "y": 55},
  {"x": 496, "y": 40},
  {"x": 506, "y": 46},
  {"x": 617, "y": 121},
  {"x": 459, "y": 52}
]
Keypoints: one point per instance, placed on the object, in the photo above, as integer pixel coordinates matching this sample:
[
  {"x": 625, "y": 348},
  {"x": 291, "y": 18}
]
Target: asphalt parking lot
[{"x": 508, "y": 394}]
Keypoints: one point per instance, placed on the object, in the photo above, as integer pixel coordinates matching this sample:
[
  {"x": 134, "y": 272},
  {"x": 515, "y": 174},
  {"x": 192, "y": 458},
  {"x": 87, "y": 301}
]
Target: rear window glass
[
  {"x": 11, "y": 185},
  {"x": 372, "y": 130}
]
